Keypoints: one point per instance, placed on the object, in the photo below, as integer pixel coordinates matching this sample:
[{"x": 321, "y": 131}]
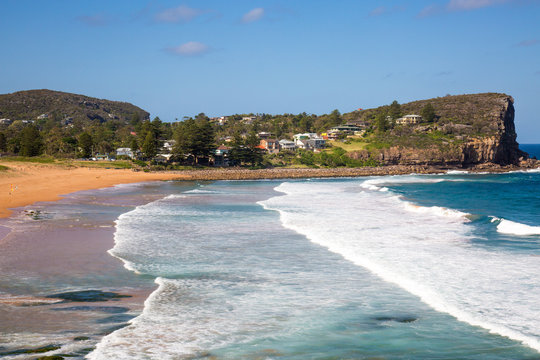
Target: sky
[{"x": 181, "y": 58}]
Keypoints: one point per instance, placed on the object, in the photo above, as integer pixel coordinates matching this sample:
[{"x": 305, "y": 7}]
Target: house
[
  {"x": 409, "y": 119},
  {"x": 315, "y": 144},
  {"x": 270, "y": 145},
  {"x": 101, "y": 157},
  {"x": 309, "y": 141},
  {"x": 249, "y": 119},
  {"x": 297, "y": 138},
  {"x": 264, "y": 135},
  {"x": 168, "y": 146},
  {"x": 346, "y": 129},
  {"x": 125, "y": 152},
  {"x": 221, "y": 156},
  {"x": 43, "y": 116},
  {"x": 162, "y": 158},
  {"x": 5, "y": 121},
  {"x": 285, "y": 144}
]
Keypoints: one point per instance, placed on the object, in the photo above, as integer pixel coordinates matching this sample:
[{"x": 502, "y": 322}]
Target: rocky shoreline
[{"x": 291, "y": 173}]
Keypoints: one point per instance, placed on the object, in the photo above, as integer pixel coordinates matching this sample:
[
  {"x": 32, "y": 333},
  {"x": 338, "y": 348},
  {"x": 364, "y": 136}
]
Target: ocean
[{"x": 394, "y": 267}]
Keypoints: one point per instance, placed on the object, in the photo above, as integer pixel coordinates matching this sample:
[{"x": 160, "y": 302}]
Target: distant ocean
[
  {"x": 394, "y": 267},
  {"x": 532, "y": 149}
]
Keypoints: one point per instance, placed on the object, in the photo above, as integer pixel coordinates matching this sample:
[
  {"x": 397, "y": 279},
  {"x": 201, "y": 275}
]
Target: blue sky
[{"x": 178, "y": 58}]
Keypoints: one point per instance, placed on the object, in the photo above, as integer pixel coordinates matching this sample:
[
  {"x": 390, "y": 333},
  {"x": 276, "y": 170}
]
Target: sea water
[{"x": 395, "y": 267}]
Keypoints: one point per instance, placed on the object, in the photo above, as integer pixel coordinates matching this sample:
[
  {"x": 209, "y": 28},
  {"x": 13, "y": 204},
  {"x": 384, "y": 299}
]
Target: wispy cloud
[
  {"x": 94, "y": 20},
  {"x": 465, "y": 5},
  {"x": 384, "y": 10},
  {"x": 180, "y": 14},
  {"x": 191, "y": 48},
  {"x": 253, "y": 15},
  {"x": 444, "y": 73},
  {"x": 460, "y": 5},
  {"x": 430, "y": 10},
  {"x": 527, "y": 43}
]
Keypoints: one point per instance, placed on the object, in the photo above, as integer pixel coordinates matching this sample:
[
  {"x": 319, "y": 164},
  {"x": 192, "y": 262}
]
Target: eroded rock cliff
[{"x": 468, "y": 130}]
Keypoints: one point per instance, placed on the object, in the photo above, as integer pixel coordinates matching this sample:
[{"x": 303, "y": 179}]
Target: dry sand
[{"x": 42, "y": 182}]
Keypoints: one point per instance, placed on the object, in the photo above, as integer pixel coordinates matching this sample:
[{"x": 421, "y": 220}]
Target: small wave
[
  {"x": 437, "y": 210},
  {"x": 515, "y": 228},
  {"x": 456, "y": 172}
]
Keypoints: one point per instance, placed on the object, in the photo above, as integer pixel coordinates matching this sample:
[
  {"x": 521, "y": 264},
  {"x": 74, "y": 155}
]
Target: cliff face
[
  {"x": 502, "y": 148},
  {"x": 469, "y": 130}
]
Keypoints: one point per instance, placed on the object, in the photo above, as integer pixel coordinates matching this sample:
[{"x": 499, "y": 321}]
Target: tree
[
  {"x": 195, "y": 138},
  {"x": 3, "y": 142},
  {"x": 85, "y": 144},
  {"x": 135, "y": 119},
  {"x": 149, "y": 146},
  {"x": 381, "y": 122},
  {"x": 394, "y": 110},
  {"x": 31, "y": 142},
  {"x": 428, "y": 113},
  {"x": 134, "y": 146}
]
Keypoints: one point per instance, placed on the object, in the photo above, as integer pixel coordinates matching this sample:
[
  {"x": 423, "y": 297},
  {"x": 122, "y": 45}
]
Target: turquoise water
[{"x": 402, "y": 267}]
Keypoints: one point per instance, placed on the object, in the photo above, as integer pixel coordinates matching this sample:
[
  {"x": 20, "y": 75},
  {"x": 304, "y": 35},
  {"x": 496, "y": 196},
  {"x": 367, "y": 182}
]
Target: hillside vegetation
[{"x": 59, "y": 106}]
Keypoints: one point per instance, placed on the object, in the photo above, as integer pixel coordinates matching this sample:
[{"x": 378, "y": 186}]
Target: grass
[
  {"x": 351, "y": 145},
  {"x": 3, "y": 168},
  {"x": 37, "y": 159},
  {"x": 119, "y": 164}
]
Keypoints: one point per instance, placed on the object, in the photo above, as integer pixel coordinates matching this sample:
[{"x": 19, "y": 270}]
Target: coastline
[
  {"x": 27, "y": 183},
  {"x": 59, "y": 251}
]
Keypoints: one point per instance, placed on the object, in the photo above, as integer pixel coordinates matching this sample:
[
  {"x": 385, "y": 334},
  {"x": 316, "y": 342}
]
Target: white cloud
[
  {"x": 178, "y": 14},
  {"x": 463, "y": 5},
  {"x": 253, "y": 15},
  {"x": 191, "y": 48}
]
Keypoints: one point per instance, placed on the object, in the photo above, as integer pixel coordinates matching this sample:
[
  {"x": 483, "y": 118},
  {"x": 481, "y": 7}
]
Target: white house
[
  {"x": 125, "y": 152},
  {"x": 287, "y": 144},
  {"x": 409, "y": 119}
]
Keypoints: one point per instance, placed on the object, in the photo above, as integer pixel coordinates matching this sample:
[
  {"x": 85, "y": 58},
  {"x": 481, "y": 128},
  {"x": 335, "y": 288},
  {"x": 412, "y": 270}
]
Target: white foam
[
  {"x": 515, "y": 228},
  {"x": 456, "y": 172},
  {"x": 424, "y": 250}
]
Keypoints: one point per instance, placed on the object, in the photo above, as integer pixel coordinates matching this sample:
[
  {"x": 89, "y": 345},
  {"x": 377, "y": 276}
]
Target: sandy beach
[{"x": 26, "y": 183}]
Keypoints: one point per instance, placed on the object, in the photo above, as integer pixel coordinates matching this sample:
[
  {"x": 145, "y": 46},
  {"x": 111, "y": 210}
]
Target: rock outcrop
[{"x": 469, "y": 130}]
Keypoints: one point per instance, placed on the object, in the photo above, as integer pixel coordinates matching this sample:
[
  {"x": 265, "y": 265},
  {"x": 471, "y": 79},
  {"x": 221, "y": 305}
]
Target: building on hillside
[
  {"x": 264, "y": 135},
  {"x": 315, "y": 144},
  {"x": 221, "y": 156},
  {"x": 270, "y": 145},
  {"x": 309, "y": 141},
  {"x": 248, "y": 120},
  {"x": 285, "y": 144},
  {"x": 43, "y": 116},
  {"x": 5, "y": 121},
  {"x": 346, "y": 129},
  {"x": 409, "y": 119}
]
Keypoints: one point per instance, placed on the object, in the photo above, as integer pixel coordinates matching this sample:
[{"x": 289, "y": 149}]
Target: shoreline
[{"x": 27, "y": 183}]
